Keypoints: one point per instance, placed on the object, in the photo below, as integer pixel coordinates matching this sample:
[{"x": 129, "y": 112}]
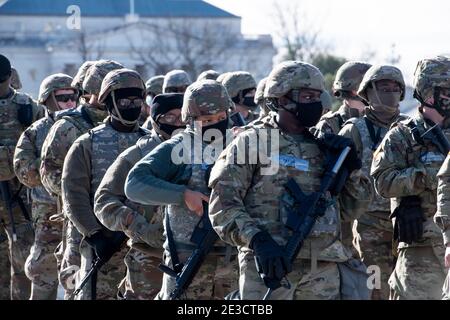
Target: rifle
[
  {"x": 116, "y": 240},
  {"x": 302, "y": 221},
  {"x": 7, "y": 198},
  {"x": 204, "y": 237},
  {"x": 437, "y": 137},
  {"x": 238, "y": 119}
]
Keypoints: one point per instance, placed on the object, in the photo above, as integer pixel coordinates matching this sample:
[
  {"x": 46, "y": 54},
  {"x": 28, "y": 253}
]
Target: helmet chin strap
[
  {"x": 58, "y": 108},
  {"x": 119, "y": 116}
]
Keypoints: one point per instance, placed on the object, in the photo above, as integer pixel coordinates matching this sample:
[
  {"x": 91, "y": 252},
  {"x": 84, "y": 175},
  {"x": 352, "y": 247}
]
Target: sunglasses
[
  {"x": 66, "y": 97},
  {"x": 124, "y": 103}
]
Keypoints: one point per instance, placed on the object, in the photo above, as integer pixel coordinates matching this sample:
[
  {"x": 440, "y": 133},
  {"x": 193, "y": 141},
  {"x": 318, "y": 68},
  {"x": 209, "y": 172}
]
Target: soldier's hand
[
  {"x": 193, "y": 201},
  {"x": 447, "y": 256}
]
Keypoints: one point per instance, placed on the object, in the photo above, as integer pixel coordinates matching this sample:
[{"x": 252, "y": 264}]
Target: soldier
[
  {"x": 17, "y": 112},
  {"x": 161, "y": 178},
  {"x": 56, "y": 145},
  {"x": 260, "y": 100},
  {"x": 176, "y": 81},
  {"x": 405, "y": 167},
  {"x": 123, "y": 92},
  {"x": 345, "y": 85},
  {"x": 15, "y": 79},
  {"x": 382, "y": 87},
  {"x": 208, "y": 74},
  {"x": 153, "y": 87},
  {"x": 142, "y": 224},
  {"x": 78, "y": 82},
  {"x": 55, "y": 93},
  {"x": 241, "y": 87},
  {"x": 248, "y": 208}
]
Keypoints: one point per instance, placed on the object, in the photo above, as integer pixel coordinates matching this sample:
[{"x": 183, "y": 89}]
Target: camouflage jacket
[
  {"x": 159, "y": 180},
  {"x": 403, "y": 166},
  {"x": 358, "y": 129},
  {"x": 333, "y": 121},
  {"x": 85, "y": 165},
  {"x": 142, "y": 224},
  {"x": 58, "y": 141},
  {"x": 246, "y": 200},
  {"x": 11, "y": 128},
  {"x": 442, "y": 216}
]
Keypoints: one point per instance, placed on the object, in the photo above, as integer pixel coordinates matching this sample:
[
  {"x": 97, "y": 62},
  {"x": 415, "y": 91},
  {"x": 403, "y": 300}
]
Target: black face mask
[
  {"x": 168, "y": 128},
  {"x": 249, "y": 102},
  {"x": 308, "y": 114},
  {"x": 222, "y": 126},
  {"x": 130, "y": 114}
]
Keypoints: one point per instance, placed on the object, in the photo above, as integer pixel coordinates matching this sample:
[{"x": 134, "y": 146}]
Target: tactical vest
[
  {"x": 182, "y": 220},
  {"x": 107, "y": 145},
  {"x": 145, "y": 145},
  {"x": 42, "y": 127},
  {"x": 378, "y": 205},
  {"x": 268, "y": 202},
  {"x": 10, "y": 130}
]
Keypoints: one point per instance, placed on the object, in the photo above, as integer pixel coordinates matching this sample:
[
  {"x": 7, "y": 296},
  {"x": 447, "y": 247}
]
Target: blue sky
[{"x": 354, "y": 27}]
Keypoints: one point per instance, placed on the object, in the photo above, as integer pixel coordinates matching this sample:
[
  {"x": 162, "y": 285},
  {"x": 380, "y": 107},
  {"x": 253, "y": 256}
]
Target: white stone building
[{"x": 152, "y": 36}]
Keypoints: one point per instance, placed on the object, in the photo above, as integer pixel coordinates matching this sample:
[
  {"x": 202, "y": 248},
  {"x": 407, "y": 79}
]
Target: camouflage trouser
[
  {"x": 109, "y": 277},
  {"x": 18, "y": 251},
  {"x": 216, "y": 278},
  {"x": 374, "y": 246},
  {"x": 41, "y": 265},
  {"x": 322, "y": 284},
  {"x": 143, "y": 279},
  {"x": 446, "y": 288},
  {"x": 5, "y": 267},
  {"x": 68, "y": 255},
  {"x": 419, "y": 274}
]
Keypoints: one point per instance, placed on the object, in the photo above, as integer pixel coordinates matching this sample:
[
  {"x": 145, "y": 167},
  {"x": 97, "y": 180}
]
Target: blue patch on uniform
[
  {"x": 431, "y": 157},
  {"x": 293, "y": 162}
]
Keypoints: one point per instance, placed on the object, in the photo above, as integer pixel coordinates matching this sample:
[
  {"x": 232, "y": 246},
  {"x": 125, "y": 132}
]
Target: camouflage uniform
[
  {"x": 54, "y": 150},
  {"x": 348, "y": 78},
  {"x": 372, "y": 232},
  {"x": 41, "y": 266},
  {"x": 82, "y": 172},
  {"x": 153, "y": 87},
  {"x": 407, "y": 165},
  {"x": 143, "y": 279},
  {"x": 164, "y": 183},
  {"x": 244, "y": 201},
  {"x": 10, "y": 131},
  {"x": 176, "y": 80}
]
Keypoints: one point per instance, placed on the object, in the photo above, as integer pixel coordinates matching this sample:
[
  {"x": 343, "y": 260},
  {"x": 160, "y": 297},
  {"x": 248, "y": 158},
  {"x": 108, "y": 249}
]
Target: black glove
[
  {"x": 105, "y": 243},
  {"x": 409, "y": 220},
  {"x": 336, "y": 144},
  {"x": 271, "y": 262}
]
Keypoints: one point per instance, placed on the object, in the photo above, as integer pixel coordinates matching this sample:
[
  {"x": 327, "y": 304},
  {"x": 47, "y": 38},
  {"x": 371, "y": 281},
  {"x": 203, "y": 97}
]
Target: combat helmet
[
  {"x": 204, "y": 97},
  {"x": 238, "y": 81},
  {"x": 96, "y": 73},
  {"x": 52, "y": 83},
  {"x": 175, "y": 79},
  {"x": 377, "y": 73},
  {"x": 430, "y": 76},
  {"x": 208, "y": 74},
  {"x": 348, "y": 77},
  {"x": 154, "y": 85}
]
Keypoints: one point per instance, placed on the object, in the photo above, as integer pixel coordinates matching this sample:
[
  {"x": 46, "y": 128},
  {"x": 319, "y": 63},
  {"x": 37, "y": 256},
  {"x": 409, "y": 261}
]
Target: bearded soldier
[
  {"x": 176, "y": 81},
  {"x": 122, "y": 91},
  {"x": 345, "y": 86},
  {"x": 249, "y": 204},
  {"x": 17, "y": 112},
  {"x": 56, "y": 94},
  {"x": 142, "y": 224},
  {"x": 56, "y": 145},
  {"x": 382, "y": 88},
  {"x": 405, "y": 167},
  {"x": 173, "y": 174}
]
